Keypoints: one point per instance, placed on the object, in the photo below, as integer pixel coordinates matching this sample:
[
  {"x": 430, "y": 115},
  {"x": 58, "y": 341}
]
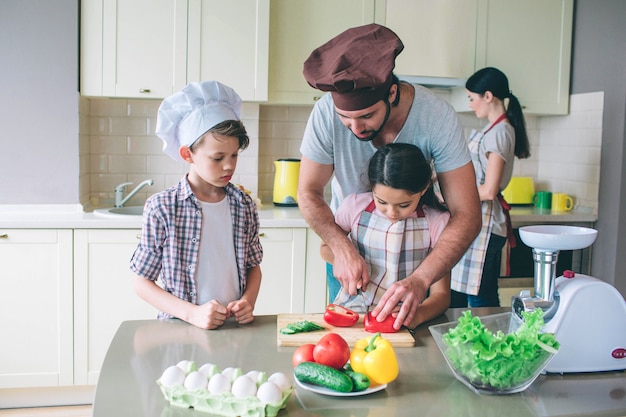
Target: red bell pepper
[
  {"x": 339, "y": 316},
  {"x": 385, "y": 326}
]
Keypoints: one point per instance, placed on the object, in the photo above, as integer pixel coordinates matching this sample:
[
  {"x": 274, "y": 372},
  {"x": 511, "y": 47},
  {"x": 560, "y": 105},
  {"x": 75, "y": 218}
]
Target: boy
[{"x": 201, "y": 236}]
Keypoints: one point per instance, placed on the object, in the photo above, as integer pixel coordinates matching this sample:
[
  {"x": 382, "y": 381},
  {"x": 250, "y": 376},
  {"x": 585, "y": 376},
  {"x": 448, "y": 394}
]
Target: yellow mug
[{"x": 562, "y": 202}]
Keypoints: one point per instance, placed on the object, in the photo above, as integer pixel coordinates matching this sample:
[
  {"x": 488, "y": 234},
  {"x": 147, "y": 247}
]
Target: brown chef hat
[{"x": 355, "y": 66}]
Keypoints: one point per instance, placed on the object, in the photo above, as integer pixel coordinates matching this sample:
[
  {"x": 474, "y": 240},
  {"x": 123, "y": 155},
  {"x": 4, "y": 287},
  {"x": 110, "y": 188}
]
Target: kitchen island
[{"x": 141, "y": 350}]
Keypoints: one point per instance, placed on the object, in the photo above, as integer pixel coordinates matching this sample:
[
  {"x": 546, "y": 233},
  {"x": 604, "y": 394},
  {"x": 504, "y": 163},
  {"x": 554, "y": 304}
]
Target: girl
[
  {"x": 475, "y": 277},
  {"x": 200, "y": 237},
  {"x": 394, "y": 227}
]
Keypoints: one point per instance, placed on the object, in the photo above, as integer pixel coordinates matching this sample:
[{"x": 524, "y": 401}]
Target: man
[{"x": 367, "y": 108}]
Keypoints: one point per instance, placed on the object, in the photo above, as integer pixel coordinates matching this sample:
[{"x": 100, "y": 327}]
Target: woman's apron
[
  {"x": 392, "y": 251},
  {"x": 467, "y": 273}
]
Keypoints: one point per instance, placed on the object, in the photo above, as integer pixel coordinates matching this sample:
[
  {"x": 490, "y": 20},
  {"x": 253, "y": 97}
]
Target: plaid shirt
[{"x": 170, "y": 239}]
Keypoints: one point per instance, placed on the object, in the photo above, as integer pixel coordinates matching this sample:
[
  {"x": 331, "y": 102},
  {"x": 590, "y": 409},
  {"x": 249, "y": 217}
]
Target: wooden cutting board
[{"x": 352, "y": 334}]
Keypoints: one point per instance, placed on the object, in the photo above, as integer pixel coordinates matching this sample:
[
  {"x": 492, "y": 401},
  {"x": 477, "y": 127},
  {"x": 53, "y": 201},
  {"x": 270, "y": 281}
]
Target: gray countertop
[
  {"x": 141, "y": 350},
  {"x": 73, "y": 217}
]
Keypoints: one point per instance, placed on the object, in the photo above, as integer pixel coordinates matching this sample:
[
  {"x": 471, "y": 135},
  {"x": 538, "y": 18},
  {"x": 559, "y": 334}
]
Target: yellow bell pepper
[{"x": 374, "y": 356}]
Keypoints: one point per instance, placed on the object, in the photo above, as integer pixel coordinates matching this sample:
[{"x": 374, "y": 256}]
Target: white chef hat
[{"x": 188, "y": 114}]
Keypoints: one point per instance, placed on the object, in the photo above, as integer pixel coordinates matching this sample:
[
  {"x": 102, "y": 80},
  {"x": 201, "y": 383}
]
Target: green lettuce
[{"x": 498, "y": 360}]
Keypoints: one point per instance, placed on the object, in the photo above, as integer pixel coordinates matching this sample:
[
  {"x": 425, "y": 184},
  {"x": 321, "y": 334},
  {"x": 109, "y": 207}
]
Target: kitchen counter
[
  {"x": 73, "y": 217},
  {"x": 141, "y": 350},
  {"x": 56, "y": 217}
]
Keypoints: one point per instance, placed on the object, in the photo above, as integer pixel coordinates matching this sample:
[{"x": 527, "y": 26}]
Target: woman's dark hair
[
  {"x": 227, "y": 128},
  {"x": 403, "y": 166},
  {"x": 494, "y": 80}
]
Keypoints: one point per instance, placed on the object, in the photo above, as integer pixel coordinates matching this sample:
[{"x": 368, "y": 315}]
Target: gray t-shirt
[{"x": 432, "y": 125}]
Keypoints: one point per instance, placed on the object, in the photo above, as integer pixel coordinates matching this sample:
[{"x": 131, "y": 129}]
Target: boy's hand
[
  {"x": 210, "y": 315},
  {"x": 242, "y": 311}
]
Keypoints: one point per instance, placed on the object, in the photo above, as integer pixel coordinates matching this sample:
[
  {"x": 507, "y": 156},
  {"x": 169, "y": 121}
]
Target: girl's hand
[
  {"x": 210, "y": 315},
  {"x": 242, "y": 310}
]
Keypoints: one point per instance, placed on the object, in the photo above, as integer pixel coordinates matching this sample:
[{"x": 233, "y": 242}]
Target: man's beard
[{"x": 377, "y": 131}]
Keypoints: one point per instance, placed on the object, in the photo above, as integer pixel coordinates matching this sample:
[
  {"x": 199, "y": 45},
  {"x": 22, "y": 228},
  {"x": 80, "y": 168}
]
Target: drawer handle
[
  {"x": 144, "y": 90},
  {"x": 139, "y": 236},
  {"x": 261, "y": 234},
  {"x": 4, "y": 236}
]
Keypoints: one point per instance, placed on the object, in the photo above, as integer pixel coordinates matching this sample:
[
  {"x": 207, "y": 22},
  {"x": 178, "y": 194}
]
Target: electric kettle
[{"x": 286, "y": 182}]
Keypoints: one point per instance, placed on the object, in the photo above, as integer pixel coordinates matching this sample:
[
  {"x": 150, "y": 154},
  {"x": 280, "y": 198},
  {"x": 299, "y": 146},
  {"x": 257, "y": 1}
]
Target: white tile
[
  {"x": 299, "y": 113},
  {"x": 127, "y": 164},
  {"x": 144, "y": 145},
  {"x": 107, "y": 107},
  {"x": 129, "y": 126},
  {"x": 138, "y": 108},
  {"x": 274, "y": 113},
  {"x": 164, "y": 164}
]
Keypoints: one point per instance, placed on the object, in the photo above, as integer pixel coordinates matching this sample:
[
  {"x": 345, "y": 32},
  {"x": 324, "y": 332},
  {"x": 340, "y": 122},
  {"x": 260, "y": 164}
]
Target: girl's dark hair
[
  {"x": 229, "y": 128},
  {"x": 403, "y": 166},
  {"x": 494, "y": 80}
]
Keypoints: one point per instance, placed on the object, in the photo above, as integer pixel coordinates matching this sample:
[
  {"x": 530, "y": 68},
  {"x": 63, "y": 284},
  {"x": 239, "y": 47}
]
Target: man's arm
[
  {"x": 348, "y": 267},
  {"x": 461, "y": 196}
]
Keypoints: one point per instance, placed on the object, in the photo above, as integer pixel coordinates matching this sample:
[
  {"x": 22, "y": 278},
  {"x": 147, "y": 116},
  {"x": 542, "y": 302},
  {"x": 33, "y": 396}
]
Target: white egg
[
  {"x": 243, "y": 387},
  {"x": 232, "y": 373},
  {"x": 172, "y": 376},
  {"x": 218, "y": 384},
  {"x": 281, "y": 380},
  {"x": 187, "y": 366},
  {"x": 195, "y": 380},
  {"x": 209, "y": 370},
  {"x": 269, "y": 393},
  {"x": 253, "y": 375}
]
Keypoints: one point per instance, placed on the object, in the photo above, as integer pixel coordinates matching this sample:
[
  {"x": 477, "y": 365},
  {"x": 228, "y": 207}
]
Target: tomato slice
[
  {"x": 339, "y": 316},
  {"x": 385, "y": 326}
]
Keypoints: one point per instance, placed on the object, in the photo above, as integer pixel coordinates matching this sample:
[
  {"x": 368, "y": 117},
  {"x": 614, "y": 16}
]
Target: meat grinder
[{"x": 586, "y": 315}]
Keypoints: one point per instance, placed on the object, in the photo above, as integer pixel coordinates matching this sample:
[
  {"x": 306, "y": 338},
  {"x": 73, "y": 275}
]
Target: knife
[{"x": 364, "y": 307}]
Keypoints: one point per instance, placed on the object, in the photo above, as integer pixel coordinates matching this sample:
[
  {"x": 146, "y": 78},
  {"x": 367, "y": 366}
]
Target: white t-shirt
[
  {"x": 217, "y": 277},
  {"x": 432, "y": 125}
]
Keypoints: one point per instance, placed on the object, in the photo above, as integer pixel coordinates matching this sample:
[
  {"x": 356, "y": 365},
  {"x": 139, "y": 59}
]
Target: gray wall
[
  {"x": 39, "y": 102},
  {"x": 599, "y": 64}
]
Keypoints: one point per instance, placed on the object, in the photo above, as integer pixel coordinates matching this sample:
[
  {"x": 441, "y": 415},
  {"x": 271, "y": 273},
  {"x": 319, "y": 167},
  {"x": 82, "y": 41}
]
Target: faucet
[{"x": 119, "y": 192}]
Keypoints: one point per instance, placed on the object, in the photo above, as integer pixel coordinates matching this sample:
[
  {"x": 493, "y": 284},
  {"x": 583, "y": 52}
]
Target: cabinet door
[
  {"x": 229, "y": 42},
  {"x": 530, "y": 41},
  {"x": 283, "y": 268},
  {"x": 36, "y": 302},
  {"x": 439, "y": 36},
  {"x": 297, "y": 27},
  {"x": 103, "y": 295},
  {"x": 133, "y": 48}
]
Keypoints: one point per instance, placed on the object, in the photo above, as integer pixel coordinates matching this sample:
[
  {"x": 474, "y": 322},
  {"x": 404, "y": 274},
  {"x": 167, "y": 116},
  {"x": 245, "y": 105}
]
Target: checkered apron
[
  {"x": 466, "y": 274},
  {"x": 392, "y": 251}
]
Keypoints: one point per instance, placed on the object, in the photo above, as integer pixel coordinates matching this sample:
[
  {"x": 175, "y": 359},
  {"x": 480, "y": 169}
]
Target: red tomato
[
  {"x": 339, "y": 316},
  {"x": 385, "y": 326},
  {"x": 303, "y": 353},
  {"x": 332, "y": 350}
]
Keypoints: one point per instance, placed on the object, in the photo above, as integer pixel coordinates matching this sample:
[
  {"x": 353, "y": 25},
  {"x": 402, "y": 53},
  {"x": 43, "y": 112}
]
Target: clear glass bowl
[{"x": 507, "y": 323}]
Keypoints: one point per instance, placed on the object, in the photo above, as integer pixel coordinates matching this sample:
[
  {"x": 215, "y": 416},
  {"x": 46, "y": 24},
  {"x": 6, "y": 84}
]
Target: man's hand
[
  {"x": 350, "y": 270},
  {"x": 408, "y": 293}
]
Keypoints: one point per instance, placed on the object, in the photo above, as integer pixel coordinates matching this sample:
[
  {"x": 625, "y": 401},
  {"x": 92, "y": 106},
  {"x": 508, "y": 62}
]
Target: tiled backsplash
[{"x": 118, "y": 145}]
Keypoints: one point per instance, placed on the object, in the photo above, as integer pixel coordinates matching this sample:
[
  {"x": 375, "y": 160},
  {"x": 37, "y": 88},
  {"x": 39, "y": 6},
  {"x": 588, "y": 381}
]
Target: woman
[{"x": 493, "y": 150}]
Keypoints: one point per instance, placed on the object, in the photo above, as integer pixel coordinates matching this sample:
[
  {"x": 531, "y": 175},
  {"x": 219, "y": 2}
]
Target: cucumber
[
  {"x": 324, "y": 376},
  {"x": 300, "y": 327},
  {"x": 360, "y": 381}
]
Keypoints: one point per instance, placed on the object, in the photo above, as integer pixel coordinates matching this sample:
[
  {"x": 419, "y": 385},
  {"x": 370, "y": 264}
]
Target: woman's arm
[{"x": 493, "y": 175}]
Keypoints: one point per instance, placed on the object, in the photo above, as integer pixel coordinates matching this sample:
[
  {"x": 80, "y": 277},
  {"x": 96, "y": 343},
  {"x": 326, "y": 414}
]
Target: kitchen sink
[{"x": 117, "y": 212}]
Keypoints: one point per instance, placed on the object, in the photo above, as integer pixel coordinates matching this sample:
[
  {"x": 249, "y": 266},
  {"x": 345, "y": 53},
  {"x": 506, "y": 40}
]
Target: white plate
[{"x": 325, "y": 391}]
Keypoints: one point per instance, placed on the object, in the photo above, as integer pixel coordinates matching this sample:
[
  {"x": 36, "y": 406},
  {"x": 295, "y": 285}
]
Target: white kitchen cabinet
[
  {"x": 133, "y": 48},
  {"x": 439, "y": 36},
  {"x": 153, "y": 48},
  {"x": 315, "y": 291},
  {"x": 530, "y": 41},
  {"x": 103, "y": 295},
  {"x": 36, "y": 302},
  {"x": 283, "y": 269},
  {"x": 296, "y": 29},
  {"x": 229, "y": 42}
]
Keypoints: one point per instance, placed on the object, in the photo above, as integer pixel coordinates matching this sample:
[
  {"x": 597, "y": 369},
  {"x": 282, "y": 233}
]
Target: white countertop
[
  {"x": 72, "y": 217},
  {"x": 69, "y": 217}
]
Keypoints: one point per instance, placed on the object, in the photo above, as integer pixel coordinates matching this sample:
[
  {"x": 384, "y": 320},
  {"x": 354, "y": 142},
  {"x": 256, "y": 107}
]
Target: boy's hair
[
  {"x": 403, "y": 166},
  {"x": 227, "y": 128}
]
